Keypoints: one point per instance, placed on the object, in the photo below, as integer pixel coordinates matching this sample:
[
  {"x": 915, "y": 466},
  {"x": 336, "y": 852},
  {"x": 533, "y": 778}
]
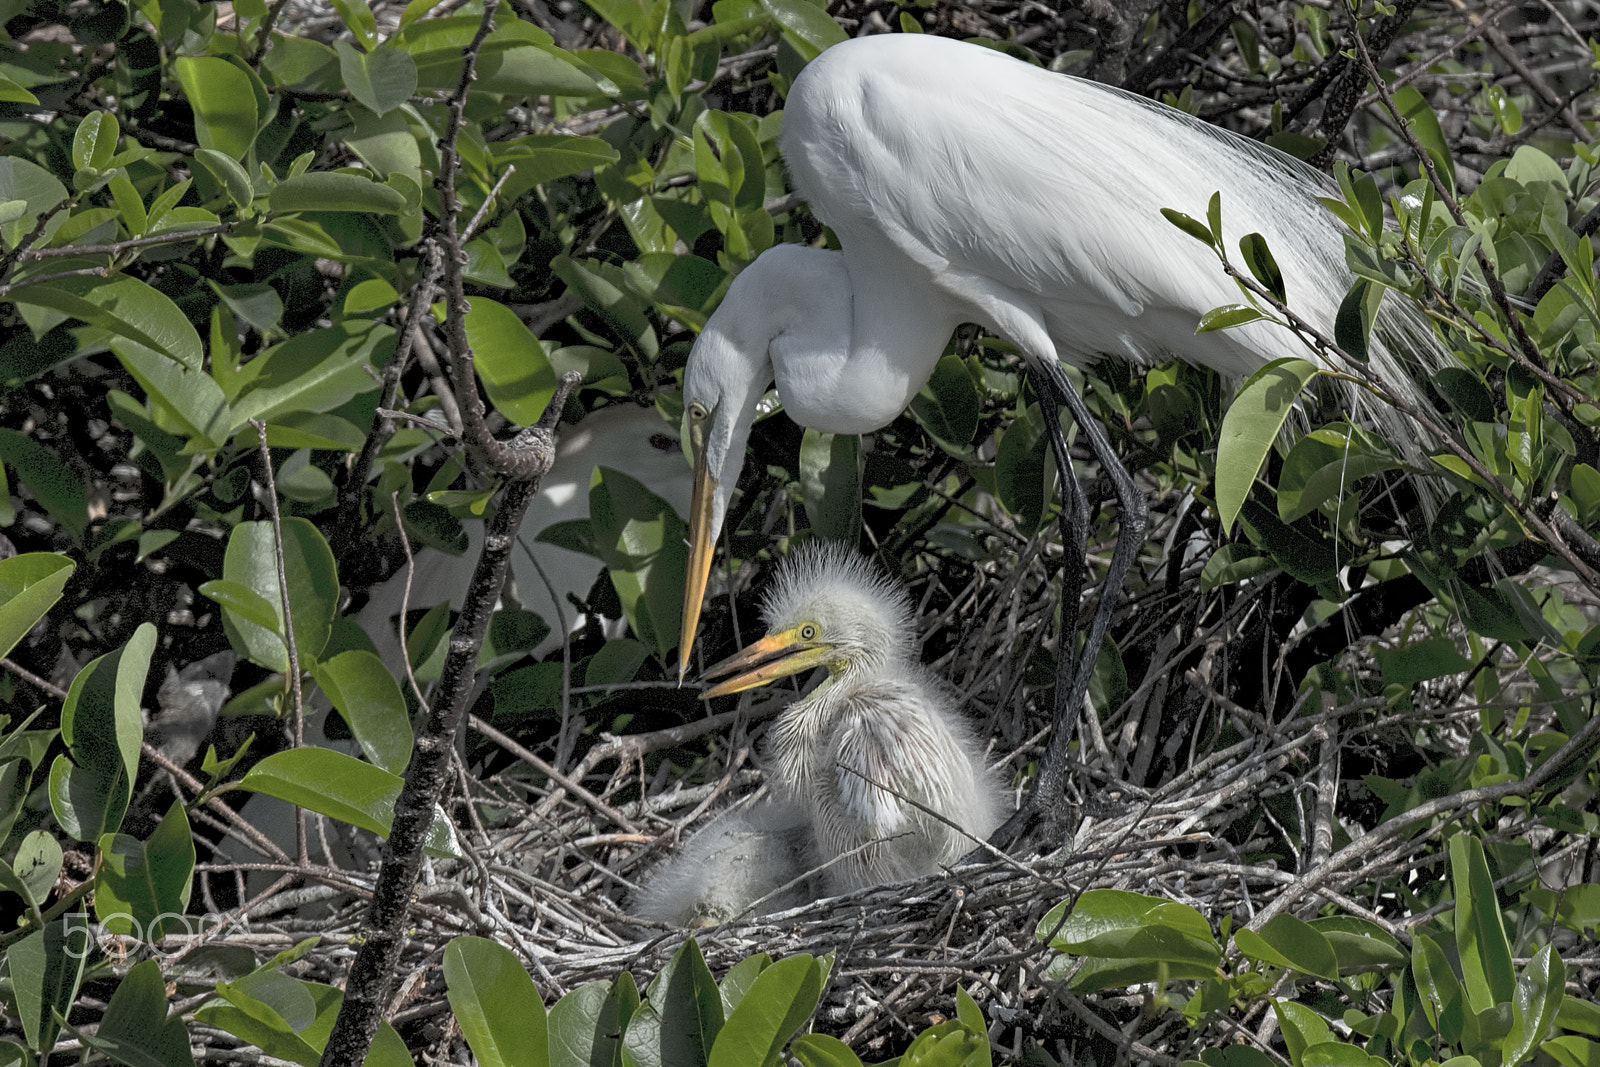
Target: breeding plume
[
  {"x": 967, "y": 186},
  {"x": 876, "y": 756}
]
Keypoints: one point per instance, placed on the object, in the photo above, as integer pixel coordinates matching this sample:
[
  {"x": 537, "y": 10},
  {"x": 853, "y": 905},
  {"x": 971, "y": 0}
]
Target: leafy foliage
[{"x": 220, "y": 227}]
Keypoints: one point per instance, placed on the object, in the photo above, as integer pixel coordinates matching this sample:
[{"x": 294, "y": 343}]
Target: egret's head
[
  {"x": 786, "y": 291},
  {"x": 828, "y": 607}
]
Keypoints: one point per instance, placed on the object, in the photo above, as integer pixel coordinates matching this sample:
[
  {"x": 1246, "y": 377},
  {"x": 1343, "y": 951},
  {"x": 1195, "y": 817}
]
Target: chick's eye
[
  {"x": 697, "y": 411},
  {"x": 808, "y": 632}
]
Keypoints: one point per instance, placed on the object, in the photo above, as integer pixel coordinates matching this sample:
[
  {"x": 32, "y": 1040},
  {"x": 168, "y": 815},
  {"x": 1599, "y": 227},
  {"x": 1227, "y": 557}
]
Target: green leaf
[
  {"x": 1534, "y": 1006},
  {"x": 1117, "y": 924},
  {"x": 313, "y": 372},
  {"x": 30, "y": 585},
  {"x": 380, "y": 80},
  {"x": 1227, "y": 317},
  {"x": 1258, "y": 257},
  {"x": 640, "y": 539},
  {"x": 137, "y": 317},
  {"x": 824, "y": 1050},
  {"x": 1480, "y": 934},
  {"x": 1189, "y": 225},
  {"x": 587, "y": 1024},
  {"x": 1286, "y": 941},
  {"x": 1022, "y": 473},
  {"x": 948, "y": 406},
  {"x": 251, "y": 561},
  {"x": 1359, "y": 945},
  {"x": 326, "y": 190},
  {"x": 330, "y": 783},
  {"x": 1301, "y": 1028},
  {"x": 1322, "y": 467},
  {"x": 364, "y": 692},
  {"x": 1420, "y": 661},
  {"x": 94, "y": 142},
  {"x": 102, "y": 727},
  {"x": 736, "y": 983},
  {"x": 1441, "y": 993},
  {"x": 685, "y": 1016},
  {"x": 52, "y": 482},
  {"x": 290, "y": 1019},
  {"x": 496, "y": 1004},
  {"x": 38, "y": 189},
  {"x": 805, "y": 25},
  {"x": 142, "y": 887},
  {"x": 512, "y": 363},
  {"x": 228, "y": 172},
  {"x": 777, "y": 1004},
  {"x": 224, "y": 103},
  {"x": 830, "y": 484},
  {"x": 1352, "y": 325},
  {"x": 1572, "y": 1051},
  {"x": 1413, "y": 107},
  {"x": 136, "y": 1028},
  {"x": 244, "y": 602},
  {"x": 45, "y": 968},
  {"x": 1251, "y": 425},
  {"x": 544, "y": 157}
]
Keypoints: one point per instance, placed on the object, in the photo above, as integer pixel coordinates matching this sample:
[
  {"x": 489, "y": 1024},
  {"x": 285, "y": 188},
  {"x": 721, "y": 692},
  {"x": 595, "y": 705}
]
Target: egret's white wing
[{"x": 969, "y": 164}]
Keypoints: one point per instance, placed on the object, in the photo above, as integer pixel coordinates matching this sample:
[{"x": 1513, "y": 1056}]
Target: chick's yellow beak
[
  {"x": 775, "y": 656},
  {"x": 701, "y": 547}
]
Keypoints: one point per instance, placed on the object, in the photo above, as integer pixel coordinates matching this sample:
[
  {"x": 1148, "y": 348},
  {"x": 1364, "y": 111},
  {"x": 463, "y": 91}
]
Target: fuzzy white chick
[
  {"x": 877, "y": 738},
  {"x": 745, "y": 863}
]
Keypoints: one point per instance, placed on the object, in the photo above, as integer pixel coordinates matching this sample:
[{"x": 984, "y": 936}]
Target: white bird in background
[
  {"x": 967, "y": 186},
  {"x": 636, "y": 441},
  {"x": 888, "y": 773}
]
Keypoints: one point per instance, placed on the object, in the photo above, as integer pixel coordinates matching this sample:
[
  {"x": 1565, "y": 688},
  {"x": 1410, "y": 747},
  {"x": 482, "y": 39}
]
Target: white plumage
[
  {"x": 889, "y": 774},
  {"x": 967, "y": 186}
]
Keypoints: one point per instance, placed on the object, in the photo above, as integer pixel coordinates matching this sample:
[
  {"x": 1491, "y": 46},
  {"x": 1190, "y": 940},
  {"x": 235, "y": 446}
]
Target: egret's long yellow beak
[
  {"x": 774, "y": 656},
  {"x": 701, "y": 547}
]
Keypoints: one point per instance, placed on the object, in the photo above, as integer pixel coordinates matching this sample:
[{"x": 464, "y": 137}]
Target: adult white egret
[
  {"x": 888, "y": 773},
  {"x": 967, "y": 186}
]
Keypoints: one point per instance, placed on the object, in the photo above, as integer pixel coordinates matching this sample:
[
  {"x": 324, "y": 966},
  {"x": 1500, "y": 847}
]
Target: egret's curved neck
[{"x": 857, "y": 345}]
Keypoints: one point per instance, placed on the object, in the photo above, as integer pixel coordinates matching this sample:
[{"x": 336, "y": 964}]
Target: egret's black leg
[{"x": 1072, "y": 681}]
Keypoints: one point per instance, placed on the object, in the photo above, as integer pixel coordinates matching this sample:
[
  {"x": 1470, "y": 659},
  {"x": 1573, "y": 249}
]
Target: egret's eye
[
  {"x": 808, "y": 632},
  {"x": 698, "y": 412}
]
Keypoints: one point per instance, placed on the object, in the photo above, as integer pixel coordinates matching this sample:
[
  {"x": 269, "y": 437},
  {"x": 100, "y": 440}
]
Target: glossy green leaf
[
  {"x": 736, "y": 983},
  {"x": 823, "y": 1050},
  {"x": 780, "y": 1000},
  {"x": 100, "y": 722},
  {"x": 300, "y": 1035},
  {"x": 330, "y": 783},
  {"x": 805, "y": 25},
  {"x": 1251, "y": 425},
  {"x": 544, "y": 157},
  {"x": 45, "y": 968},
  {"x": 245, "y": 603},
  {"x": 1022, "y": 472},
  {"x": 685, "y": 1013},
  {"x": 1301, "y": 1028},
  {"x": 1359, "y": 945},
  {"x": 1534, "y": 1005},
  {"x": 1569, "y": 1050},
  {"x": 229, "y": 173},
  {"x": 1480, "y": 934},
  {"x": 511, "y": 362},
  {"x": 53, "y": 484},
  {"x": 947, "y": 407},
  {"x": 335, "y": 191},
  {"x": 1323, "y": 466},
  {"x": 314, "y": 372},
  {"x": 380, "y": 80},
  {"x": 830, "y": 484},
  {"x": 1286, "y": 941},
  {"x": 137, "y": 1029},
  {"x": 251, "y": 561},
  {"x": 37, "y": 189},
  {"x": 587, "y": 1024},
  {"x": 640, "y": 539},
  {"x": 365, "y": 693},
  {"x": 142, "y": 887},
  {"x": 224, "y": 103},
  {"x": 1413, "y": 106},
  {"x": 1189, "y": 225},
  {"x": 94, "y": 141},
  {"x": 495, "y": 1003},
  {"x": 30, "y": 585},
  {"x": 136, "y": 317},
  {"x": 1258, "y": 258}
]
